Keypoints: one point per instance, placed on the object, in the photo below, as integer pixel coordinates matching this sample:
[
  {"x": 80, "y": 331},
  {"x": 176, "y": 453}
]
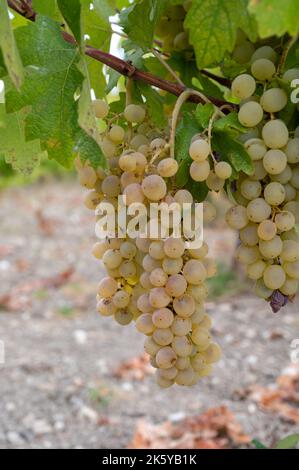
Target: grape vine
[{"x": 194, "y": 115}]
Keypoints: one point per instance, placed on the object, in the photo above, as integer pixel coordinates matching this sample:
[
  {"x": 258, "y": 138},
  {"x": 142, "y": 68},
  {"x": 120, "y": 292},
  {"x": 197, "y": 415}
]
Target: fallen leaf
[
  {"x": 217, "y": 428},
  {"x": 134, "y": 369}
]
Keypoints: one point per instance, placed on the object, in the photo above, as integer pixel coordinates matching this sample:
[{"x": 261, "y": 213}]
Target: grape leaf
[
  {"x": 9, "y": 49},
  {"x": 232, "y": 151},
  {"x": 47, "y": 7},
  {"x": 21, "y": 155},
  {"x": 198, "y": 190},
  {"x": 207, "y": 86},
  {"x": 71, "y": 12},
  {"x": 230, "y": 121},
  {"x": 275, "y": 18},
  {"x": 212, "y": 26},
  {"x": 203, "y": 114},
  {"x": 182, "y": 175},
  {"x": 186, "y": 129},
  {"x": 288, "y": 442},
  {"x": 140, "y": 19},
  {"x": 154, "y": 104},
  {"x": 87, "y": 148},
  {"x": 104, "y": 8}
]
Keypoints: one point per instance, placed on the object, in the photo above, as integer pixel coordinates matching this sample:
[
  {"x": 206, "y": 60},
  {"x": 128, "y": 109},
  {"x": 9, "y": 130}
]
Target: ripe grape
[
  {"x": 250, "y": 189},
  {"x": 158, "y": 297},
  {"x": 275, "y": 134},
  {"x": 274, "y": 277},
  {"x": 250, "y": 114},
  {"x": 199, "y": 150},
  {"x": 199, "y": 171},
  {"x": 163, "y": 318},
  {"x": 181, "y": 326},
  {"x": 243, "y": 86},
  {"x": 174, "y": 247},
  {"x": 274, "y": 100},
  {"x": 236, "y": 217},
  {"x": 256, "y": 270},
  {"x": 290, "y": 251},
  {"x": 168, "y": 167},
  {"x": 271, "y": 249},
  {"x": 267, "y": 230},
  {"x": 258, "y": 210},
  {"x": 101, "y": 108},
  {"x": 176, "y": 285},
  {"x": 107, "y": 287},
  {"x": 263, "y": 69},
  {"x": 166, "y": 357},
  {"x": 292, "y": 150},
  {"x": 134, "y": 113},
  {"x": 158, "y": 277},
  {"x": 264, "y": 52},
  {"x": 163, "y": 336},
  {"x": 285, "y": 221},
  {"x": 274, "y": 194},
  {"x": 184, "y": 306},
  {"x": 182, "y": 346},
  {"x": 194, "y": 272},
  {"x": 223, "y": 170},
  {"x": 154, "y": 187},
  {"x": 121, "y": 299},
  {"x": 256, "y": 148}
]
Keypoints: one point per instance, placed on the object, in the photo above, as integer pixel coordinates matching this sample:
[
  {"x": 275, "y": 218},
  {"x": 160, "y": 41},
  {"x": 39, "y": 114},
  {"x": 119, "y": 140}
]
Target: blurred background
[{"x": 72, "y": 379}]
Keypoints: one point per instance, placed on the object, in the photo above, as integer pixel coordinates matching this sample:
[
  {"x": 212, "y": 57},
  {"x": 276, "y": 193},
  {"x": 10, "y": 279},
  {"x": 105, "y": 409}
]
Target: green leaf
[
  {"x": 203, "y": 114},
  {"x": 21, "y": 155},
  {"x": 140, "y": 19},
  {"x": 154, "y": 105},
  {"x": 258, "y": 444},
  {"x": 212, "y": 27},
  {"x": 186, "y": 129},
  {"x": 71, "y": 12},
  {"x": 47, "y": 8},
  {"x": 182, "y": 175},
  {"x": 87, "y": 148},
  {"x": 207, "y": 86},
  {"x": 232, "y": 151},
  {"x": 288, "y": 442},
  {"x": 230, "y": 121},
  {"x": 9, "y": 49},
  {"x": 51, "y": 81},
  {"x": 199, "y": 191},
  {"x": 275, "y": 18},
  {"x": 113, "y": 78},
  {"x": 104, "y": 9},
  {"x": 248, "y": 23}
]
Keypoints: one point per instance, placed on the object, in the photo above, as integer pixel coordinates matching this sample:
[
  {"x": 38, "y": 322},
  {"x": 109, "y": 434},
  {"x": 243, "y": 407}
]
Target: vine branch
[{"x": 122, "y": 67}]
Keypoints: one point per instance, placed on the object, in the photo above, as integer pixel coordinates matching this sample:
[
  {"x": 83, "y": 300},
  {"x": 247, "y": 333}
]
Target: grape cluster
[
  {"x": 268, "y": 208},
  {"x": 154, "y": 281},
  {"x": 171, "y": 30}
]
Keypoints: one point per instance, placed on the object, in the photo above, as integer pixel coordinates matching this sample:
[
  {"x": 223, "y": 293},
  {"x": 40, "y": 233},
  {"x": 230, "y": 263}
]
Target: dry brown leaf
[
  {"x": 217, "y": 428},
  {"x": 134, "y": 369},
  {"x": 284, "y": 398}
]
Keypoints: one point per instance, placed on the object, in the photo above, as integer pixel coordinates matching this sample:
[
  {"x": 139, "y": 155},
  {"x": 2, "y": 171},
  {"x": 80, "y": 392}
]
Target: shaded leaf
[
  {"x": 154, "y": 104},
  {"x": 233, "y": 151},
  {"x": 9, "y": 48},
  {"x": 274, "y": 18},
  {"x": 203, "y": 114},
  {"x": 71, "y": 12}
]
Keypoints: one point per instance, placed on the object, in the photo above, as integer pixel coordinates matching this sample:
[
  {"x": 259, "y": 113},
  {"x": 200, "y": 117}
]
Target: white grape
[
  {"x": 258, "y": 210},
  {"x": 274, "y": 193},
  {"x": 134, "y": 113},
  {"x": 199, "y": 150},
  {"x": 275, "y": 161},
  {"x": 274, "y": 100},
  {"x": 263, "y": 69},
  {"x": 275, "y": 134},
  {"x": 274, "y": 277},
  {"x": 243, "y": 86},
  {"x": 250, "y": 114}
]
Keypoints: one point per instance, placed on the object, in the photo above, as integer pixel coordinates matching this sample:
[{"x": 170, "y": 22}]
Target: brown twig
[{"x": 124, "y": 68}]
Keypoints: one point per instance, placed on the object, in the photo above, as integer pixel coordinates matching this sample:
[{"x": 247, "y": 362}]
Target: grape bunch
[
  {"x": 268, "y": 207},
  {"x": 154, "y": 281}
]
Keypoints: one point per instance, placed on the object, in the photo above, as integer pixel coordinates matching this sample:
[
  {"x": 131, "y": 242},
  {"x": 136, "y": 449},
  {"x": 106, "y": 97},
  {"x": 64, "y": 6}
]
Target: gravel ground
[{"x": 57, "y": 384}]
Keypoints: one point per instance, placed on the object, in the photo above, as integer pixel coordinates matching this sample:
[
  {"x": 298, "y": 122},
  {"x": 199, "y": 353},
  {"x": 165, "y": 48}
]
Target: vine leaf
[
  {"x": 154, "y": 104},
  {"x": 47, "y": 7},
  {"x": 270, "y": 22},
  {"x": 213, "y": 25},
  {"x": 288, "y": 442},
  {"x": 71, "y": 11},
  {"x": 139, "y": 21},
  {"x": 230, "y": 121},
  {"x": 9, "y": 48},
  {"x": 23, "y": 156},
  {"x": 232, "y": 151},
  {"x": 203, "y": 114}
]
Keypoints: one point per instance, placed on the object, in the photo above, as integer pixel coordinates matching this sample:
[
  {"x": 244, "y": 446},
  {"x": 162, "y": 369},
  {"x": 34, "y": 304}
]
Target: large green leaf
[
  {"x": 154, "y": 105},
  {"x": 275, "y": 17},
  {"x": 47, "y": 7},
  {"x": 71, "y": 12},
  {"x": 9, "y": 48},
  {"x": 233, "y": 151},
  {"x": 213, "y": 25},
  {"x": 140, "y": 19},
  {"x": 23, "y": 156}
]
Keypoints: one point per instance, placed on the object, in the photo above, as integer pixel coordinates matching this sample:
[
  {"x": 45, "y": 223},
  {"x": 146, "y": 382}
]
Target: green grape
[
  {"x": 274, "y": 277},
  {"x": 290, "y": 75},
  {"x": 185, "y": 377},
  {"x": 292, "y": 269},
  {"x": 133, "y": 193},
  {"x": 159, "y": 298},
  {"x": 274, "y": 100},
  {"x": 100, "y": 248},
  {"x": 201, "y": 337},
  {"x": 127, "y": 269},
  {"x": 274, "y": 194},
  {"x": 184, "y": 306},
  {"x": 249, "y": 236},
  {"x": 256, "y": 270},
  {"x": 121, "y": 299},
  {"x": 166, "y": 357},
  {"x": 250, "y": 114},
  {"x": 290, "y": 192},
  {"x": 194, "y": 271},
  {"x": 154, "y": 187},
  {"x": 247, "y": 254},
  {"x": 223, "y": 170},
  {"x": 163, "y": 318},
  {"x": 134, "y": 113},
  {"x": 259, "y": 172},
  {"x": 182, "y": 346},
  {"x": 243, "y": 52},
  {"x": 181, "y": 326},
  {"x": 92, "y": 199},
  {"x": 199, "y": 171},
  {"x": 106, "y": 307},
  {"x": 250, "y": 189},
  {"x": 168, "y": 167},
  {"x": 292, "y": 150},
  {"x": 174, "y": 247},
  {"x": 176, "y": 285},
  {"x": 295, "y": 178},
  {"x": 138, "y": 140},
  {"x": 258, "y": 210},
  {"x": 151, "y": 347},
  {"x": 212, "y": 353},
  {"x": 128, "y": 250},
  {"x": 267, "y": 230},
  {"x": 172, "y": 265},
  {"x": 290, "y": 287},
  {"x": 290, "y": 251},
  {"x": 117, "y": 134},
  {"x": 264, "y": 52},
  {"x": 283, "y": 177},
  {"x": 209, "y": 212},
  {"x": 158, "y": 277},
  {"x": 271, "y": 249},
  {"x": 181, "y": 41},
  {"x": 275, "y": 134},
  {"x": 156, "y": 250},
  {"x": 112, "y": 259},
  {"x": 293, "y": 207},
  {"x": 256, "y": 148},
  {"x": 285, "y": 221},
  {"x": 214, "y": 183},
  {"x": 236, "y": 217},
  {"x": 123, "y": 317},
  {"x": 163, "y": 336},
  {"x": 275, "y": 161},
  {"x": 261, "y": 290},
  {"x": 243, "y": 86},
  {"x": 111, "y": 186},
  {"x": 101, "y": 108},
  {"x": 107, "y": 287},
  {"x": 199, "y": 150},
  {"x": 183, "y": 196},
  {"x": 263, "y": 69}
]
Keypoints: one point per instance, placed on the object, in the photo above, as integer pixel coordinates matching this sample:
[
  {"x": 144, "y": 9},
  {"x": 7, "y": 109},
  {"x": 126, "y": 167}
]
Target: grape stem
[
  {"x": 168, "y": 68},
  {"x": 285, "y": 52},
  {"x": 122, "y": 67},
  {"x": 176, "y": 112}
]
